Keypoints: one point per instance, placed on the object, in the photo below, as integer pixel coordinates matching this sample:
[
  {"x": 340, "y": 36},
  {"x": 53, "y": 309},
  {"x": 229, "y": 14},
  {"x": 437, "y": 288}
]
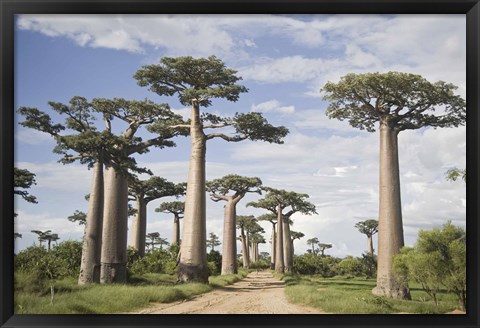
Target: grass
[
  {"x": 70, "y": 298},
  {"x": 353, "y": 296}
]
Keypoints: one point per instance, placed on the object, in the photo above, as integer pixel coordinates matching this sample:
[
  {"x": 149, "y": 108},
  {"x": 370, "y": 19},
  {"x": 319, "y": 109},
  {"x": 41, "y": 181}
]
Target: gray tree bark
[
  {"x": 246, "y": 260},
  {"x": 272, "y": 257},
  {"x": 287, "y": 247},
  {"x": 176, "y": 230},
  {"x": 229, "y": 251},
  {"x": 279, "y": 259},
  {"x": 92, "y": 238},
  {"x": 193, "y": 249},
  {"x": 390, "y": 227},
  {"x": 139, "y": 227},
  {"x": 114, "y": 236},
  {"x": 370, "y": 245}
]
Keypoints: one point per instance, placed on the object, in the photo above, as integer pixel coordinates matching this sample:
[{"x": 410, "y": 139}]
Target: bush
[
  {"x": 260, "y": 264},
  {"x": 309, "y": 263},
  {"x": 68, "y": 256},
  {"x": 214, "y": 259}
]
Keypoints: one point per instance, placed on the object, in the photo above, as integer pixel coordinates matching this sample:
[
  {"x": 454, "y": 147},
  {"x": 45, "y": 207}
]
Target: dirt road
[{"x": 258, "y": 293}]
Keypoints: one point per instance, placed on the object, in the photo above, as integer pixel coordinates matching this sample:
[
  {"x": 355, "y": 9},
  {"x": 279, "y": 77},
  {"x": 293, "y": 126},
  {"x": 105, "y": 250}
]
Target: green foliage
[
  {"x": 213, "y": 241},
  {"x": 350, "y": 296},
  {"x": 455, "y": 173},
  {"x": 176, "y": 207},
  {"x": 62, "y": 261},
  {"x": 261, "y": 264},
  {"x": 153, "y": 188},
  {"x": 405, "y": 101},
  {"x": 351, "y": 266},
  {"x": 23, "y": 179},
  {"x": 367, "y": 227},
  {"x": 255, "y": 127},
  {"x": 326, "y": 266},
  {"x": 233, "y": 182},
  {"x": 214, "y": 259},
  {"x": 156, "y": 261},
  {"x": 281, "y": 198},
  {"x": 78, "y": 217},
  {"x": 191, "y": 79},
  {"x": 437, "y": 260}
]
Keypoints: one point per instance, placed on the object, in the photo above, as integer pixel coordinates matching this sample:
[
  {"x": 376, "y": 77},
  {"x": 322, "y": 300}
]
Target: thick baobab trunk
[
  {"x": 246, "y": 259},
  {"x": 115, "y": 227},
  {"x": 92, "y": 238},
  {"x": 272, "y": 256},
  {"x": 176, "y": 230},
  {"x": 193, "y": 249},
  {"x": 370, "y": 245},
  {"x": 247, "y": 241},
  {"x": 390, "y": 227},
  {"x": 139, "y": 227},
  {"x": 229, "y": 252},
  {"x": 279, "y": 261},
  {"x": 292, "y": 249},
  {"x": 287, "y": 247}
]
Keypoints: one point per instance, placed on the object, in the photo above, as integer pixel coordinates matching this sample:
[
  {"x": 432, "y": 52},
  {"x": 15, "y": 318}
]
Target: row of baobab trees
[{"x": 393, "y": 101}]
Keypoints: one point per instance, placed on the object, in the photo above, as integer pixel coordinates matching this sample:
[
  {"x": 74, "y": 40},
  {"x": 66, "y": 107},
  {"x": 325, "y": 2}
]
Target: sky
[{"x": 284, "y": 61}]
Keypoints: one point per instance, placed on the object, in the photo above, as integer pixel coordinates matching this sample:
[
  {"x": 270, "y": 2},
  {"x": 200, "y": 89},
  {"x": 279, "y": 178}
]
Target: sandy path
[{"x": 258, "y": 293}]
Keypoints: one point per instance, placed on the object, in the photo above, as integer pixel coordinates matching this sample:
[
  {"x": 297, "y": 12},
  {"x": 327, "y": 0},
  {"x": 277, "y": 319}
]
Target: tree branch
[{"x": 225, "y": 137}]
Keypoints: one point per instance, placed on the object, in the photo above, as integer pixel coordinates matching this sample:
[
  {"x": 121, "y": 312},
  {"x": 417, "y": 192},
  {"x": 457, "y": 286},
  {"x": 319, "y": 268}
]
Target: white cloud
[{"x": 272, "y": 106}]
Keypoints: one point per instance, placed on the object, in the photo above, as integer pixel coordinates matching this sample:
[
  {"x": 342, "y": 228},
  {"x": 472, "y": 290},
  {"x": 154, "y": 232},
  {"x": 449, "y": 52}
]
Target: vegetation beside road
[{"x": 340, "y": 295}]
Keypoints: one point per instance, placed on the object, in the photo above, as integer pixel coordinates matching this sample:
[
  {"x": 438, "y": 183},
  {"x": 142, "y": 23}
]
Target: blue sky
[{"x": 284, "y": 61}]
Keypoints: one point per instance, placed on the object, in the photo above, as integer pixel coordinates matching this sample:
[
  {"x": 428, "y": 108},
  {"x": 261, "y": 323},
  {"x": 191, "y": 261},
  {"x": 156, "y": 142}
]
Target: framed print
[{"x": 231, "y": 163}]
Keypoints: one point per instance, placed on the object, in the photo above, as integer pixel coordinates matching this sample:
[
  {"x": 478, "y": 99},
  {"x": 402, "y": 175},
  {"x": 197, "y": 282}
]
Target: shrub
[{"x": 214, "y": 259}]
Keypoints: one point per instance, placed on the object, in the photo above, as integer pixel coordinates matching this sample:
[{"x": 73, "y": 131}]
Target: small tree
[
  {"x": 231, "y": 189},
  {"x": 368, "y": 228},
  {"x": 213, "y": 241},
  {"x": 276, "y": 201},
  {"x": 177, "y": 208},
  {"x": 295, "y": 235},
  {"x": 396, "y": 102},
  {"x": 313, "y": 242},
  {"x": 322, "y": 247},
  {"x": 143, "y": 192},
  {"x": 438, "y": 259}
]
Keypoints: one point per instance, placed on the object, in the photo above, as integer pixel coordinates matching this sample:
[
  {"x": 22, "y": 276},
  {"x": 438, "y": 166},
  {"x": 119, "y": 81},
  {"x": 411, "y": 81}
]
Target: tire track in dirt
[{"x": 258, "y": 293}]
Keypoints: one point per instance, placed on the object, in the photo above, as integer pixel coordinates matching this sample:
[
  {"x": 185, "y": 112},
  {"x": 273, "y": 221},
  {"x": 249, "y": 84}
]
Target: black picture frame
[{"x": 9, "y": 8}]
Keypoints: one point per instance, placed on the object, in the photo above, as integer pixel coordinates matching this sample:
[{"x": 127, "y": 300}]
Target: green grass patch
[
  {"x": 71, "y": 298},
  {"x": 354, "y": 296}
]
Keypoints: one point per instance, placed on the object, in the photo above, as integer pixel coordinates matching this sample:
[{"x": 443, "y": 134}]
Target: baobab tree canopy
[
  {"x": 191, "y": 78},
  {"x": 367, "y": 227},
  {"x": 23, "y": 179},
  {"x": 283, "y": 199},
  {"x": 406, "y": 101},
  {"x": 219, "y": 188}
]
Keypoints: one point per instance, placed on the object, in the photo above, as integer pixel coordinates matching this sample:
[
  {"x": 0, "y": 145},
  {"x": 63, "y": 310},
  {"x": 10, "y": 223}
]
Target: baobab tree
[
  {"x": 213, "y": 241},
  {"x": 295, "y": 235},
  {"x": 136, "y": 114},
  {"x": 143, "y": 192},
  {"x": 94, "y": 148},
  {"x": 231, "y": 189},
  {"x": 313, "y": 242},
  {"x": 244, "y": 223},
  {"x": 255, "y": 239},
  {"x": 272, "y": 218},
  {"x": 176, "y": 208},
  {"x": 152, "y": 239},
  {"x": 47, "y": 236},
  {"x": 395, "y": 102},
  {"x": 196, "y": 82},
  {"x": 276, "y": 201},
  {"x": 322, "y": 247},
  {"x": 368, "y": 228}
]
